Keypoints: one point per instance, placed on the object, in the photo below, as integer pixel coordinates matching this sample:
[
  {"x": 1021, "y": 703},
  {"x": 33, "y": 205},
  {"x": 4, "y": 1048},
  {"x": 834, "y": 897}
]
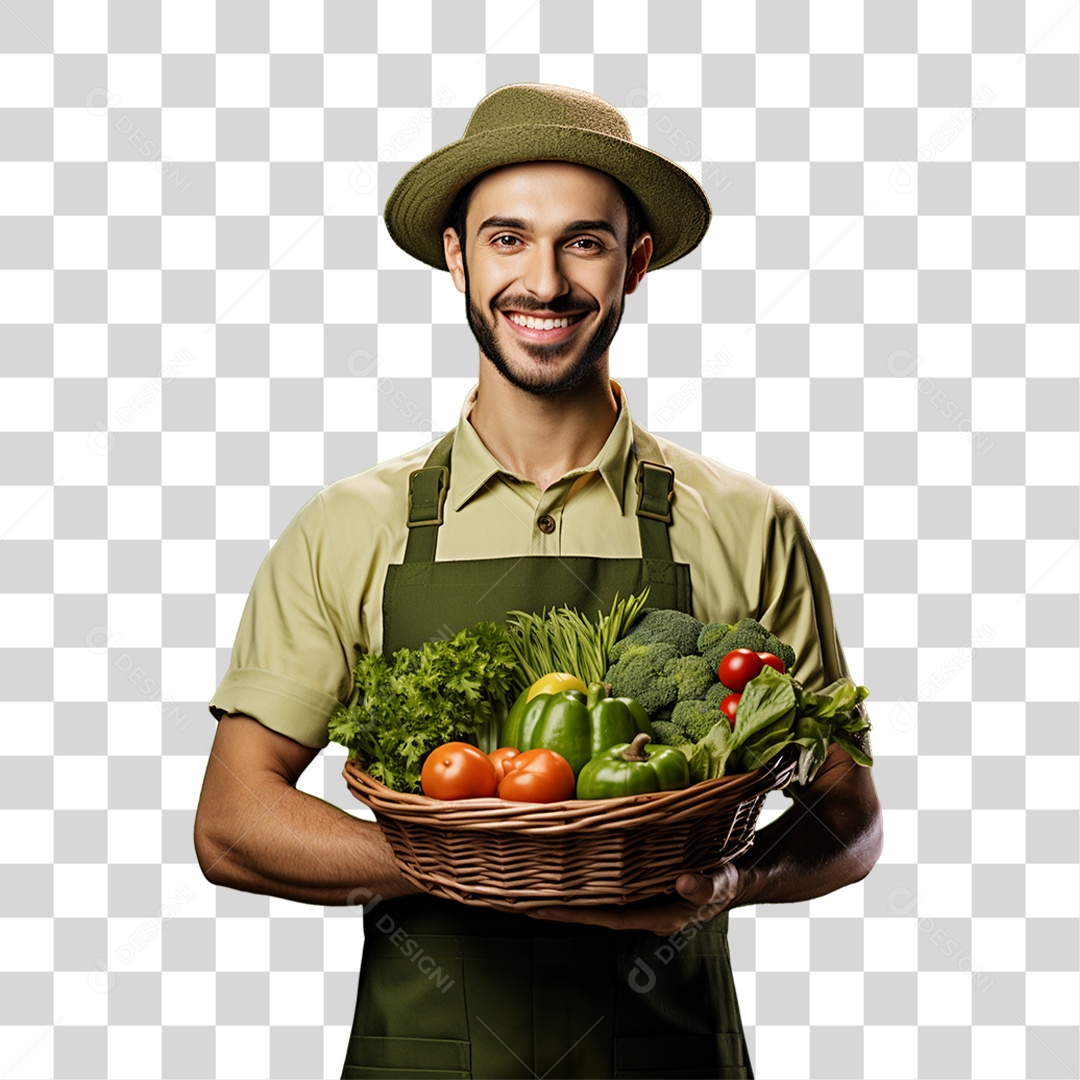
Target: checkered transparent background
[{"x": 203, "y": 321}]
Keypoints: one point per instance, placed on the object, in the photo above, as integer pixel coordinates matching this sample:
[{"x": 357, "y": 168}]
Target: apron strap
[
  {"x": 656, "y": 488},
  {"x": 427, "y": 493},
  {"x": 655, "y": 483}
]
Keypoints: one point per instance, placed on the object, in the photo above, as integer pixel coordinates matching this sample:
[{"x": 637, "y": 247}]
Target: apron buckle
[
  {"x": 427, "y": 493},
  {"x": 656, "y": 489}
]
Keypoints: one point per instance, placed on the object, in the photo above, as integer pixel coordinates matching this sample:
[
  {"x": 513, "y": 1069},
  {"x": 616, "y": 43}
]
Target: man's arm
[
  {"x": 254, "y": 831},
  {"x": 829, "y": 838}
]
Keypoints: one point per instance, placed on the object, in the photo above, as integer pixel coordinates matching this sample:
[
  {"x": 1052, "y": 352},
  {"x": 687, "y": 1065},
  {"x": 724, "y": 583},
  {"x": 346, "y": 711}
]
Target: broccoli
[
  {"x": 667, "y": 734},
  {"x": 639, "y": 674},
  {"x": 695, "y": 719},
  {"x": 712, "y": 634},
  {"x": 716, "y": 640},
  {"x": 663, "y": 713},
  {"x": 716, "y": 694},
  {"x": 661, "y": 625},
  {"x": 692, "y": 675}
]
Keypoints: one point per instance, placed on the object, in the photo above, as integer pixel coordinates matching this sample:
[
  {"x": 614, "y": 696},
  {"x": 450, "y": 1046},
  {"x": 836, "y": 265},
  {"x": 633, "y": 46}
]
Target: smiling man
[
  {"x": 544, "y": 294},
  {"x": 546, "y": 215},
  {"x": 572, "y": 320}
]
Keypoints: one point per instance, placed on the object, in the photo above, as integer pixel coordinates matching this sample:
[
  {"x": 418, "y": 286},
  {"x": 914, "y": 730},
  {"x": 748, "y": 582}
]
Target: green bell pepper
[
  {"x": 633, "y": 769},
  {"x": 574, "y": 724}
]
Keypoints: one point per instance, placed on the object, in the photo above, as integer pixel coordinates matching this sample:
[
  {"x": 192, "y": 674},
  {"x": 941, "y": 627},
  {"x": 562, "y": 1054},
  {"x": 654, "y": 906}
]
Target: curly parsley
[{"x": 405, "y": 705}]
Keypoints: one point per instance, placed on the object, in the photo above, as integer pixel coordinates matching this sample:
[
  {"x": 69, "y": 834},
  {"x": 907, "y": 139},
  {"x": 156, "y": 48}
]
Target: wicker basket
[{"x": 514, "y": 855}]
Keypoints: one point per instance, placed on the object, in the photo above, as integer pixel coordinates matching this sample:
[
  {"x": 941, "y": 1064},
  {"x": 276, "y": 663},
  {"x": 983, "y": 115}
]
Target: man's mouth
[{"x": 542, "y": 327}]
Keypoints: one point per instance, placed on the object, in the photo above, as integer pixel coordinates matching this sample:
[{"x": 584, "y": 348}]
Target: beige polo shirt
[{"x": 318, "y": 592}]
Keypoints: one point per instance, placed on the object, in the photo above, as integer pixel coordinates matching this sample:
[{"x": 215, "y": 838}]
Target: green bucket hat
[{"x": 537, "y": 122}]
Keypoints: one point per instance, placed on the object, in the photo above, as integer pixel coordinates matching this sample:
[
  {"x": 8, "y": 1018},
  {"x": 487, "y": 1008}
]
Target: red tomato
[
  {"x": 501, "y": 759},
  {"x": 738, "y": 668},
  {"x": 538, "y": 776},
  {"x": 773, "y": 662},
  {"x": 458, "y": 770},
  {"x": 729, "y": 705}
]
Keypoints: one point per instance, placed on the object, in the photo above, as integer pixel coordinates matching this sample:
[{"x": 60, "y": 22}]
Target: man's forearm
[
  {"x": 820, "y": 844},
  {"x": 284, "y": 842}
]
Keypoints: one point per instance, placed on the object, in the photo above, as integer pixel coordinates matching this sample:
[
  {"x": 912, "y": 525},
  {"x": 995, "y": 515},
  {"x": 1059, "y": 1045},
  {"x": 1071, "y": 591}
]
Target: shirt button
[{"x": 545, "y": 523}]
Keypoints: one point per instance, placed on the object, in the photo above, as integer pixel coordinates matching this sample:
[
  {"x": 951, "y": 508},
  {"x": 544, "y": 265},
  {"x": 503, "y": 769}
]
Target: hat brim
[{"x": 676, "y": 209}]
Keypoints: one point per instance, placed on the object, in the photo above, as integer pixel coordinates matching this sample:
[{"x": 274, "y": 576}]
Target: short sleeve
[
  {"x": 795, "y": 602},
  {"x": 291, "y": 662}
]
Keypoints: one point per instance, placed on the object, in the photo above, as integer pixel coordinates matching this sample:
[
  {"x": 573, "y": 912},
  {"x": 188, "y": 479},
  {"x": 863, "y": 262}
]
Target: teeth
[{"x": 540, "y": 324}]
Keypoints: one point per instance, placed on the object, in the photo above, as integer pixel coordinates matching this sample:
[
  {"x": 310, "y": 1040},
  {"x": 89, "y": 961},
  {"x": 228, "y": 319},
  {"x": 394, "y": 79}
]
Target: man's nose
[{"x": 543, "y": 275}]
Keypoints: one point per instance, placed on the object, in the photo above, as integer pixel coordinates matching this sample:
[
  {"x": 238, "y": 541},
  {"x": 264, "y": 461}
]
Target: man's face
[{"x": 546, "y": 245}]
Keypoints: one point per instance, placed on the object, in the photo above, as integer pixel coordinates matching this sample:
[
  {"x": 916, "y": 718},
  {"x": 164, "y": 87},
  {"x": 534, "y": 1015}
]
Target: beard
[{"x": 580, "y": 370}]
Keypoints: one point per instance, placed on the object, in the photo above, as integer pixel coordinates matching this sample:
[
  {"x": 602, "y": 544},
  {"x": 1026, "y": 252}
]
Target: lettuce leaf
[
  {"x": 775, "y": 711},
  {"x": 766, "y": 699},
  {"x": 708, "y": 757}
]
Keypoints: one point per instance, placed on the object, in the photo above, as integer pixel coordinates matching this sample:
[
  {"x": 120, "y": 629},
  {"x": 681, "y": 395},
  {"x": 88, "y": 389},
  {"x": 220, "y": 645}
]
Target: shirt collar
[{"x": 473, "y": 465}]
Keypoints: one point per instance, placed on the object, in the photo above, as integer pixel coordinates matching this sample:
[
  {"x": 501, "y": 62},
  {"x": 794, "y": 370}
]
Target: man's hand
[{"x": 700, "y": 897}]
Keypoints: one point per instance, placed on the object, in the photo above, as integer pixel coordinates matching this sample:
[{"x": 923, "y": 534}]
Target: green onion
[{"x": 563, "y": 639}]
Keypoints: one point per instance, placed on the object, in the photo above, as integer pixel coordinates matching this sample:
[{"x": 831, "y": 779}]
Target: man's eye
[
  {"x": 499, "y": 240},
  {"x": 585, "y": 243}
]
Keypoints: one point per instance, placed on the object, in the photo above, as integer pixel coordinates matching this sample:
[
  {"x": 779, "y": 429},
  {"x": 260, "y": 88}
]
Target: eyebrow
[{"x": 574, "y": 226}]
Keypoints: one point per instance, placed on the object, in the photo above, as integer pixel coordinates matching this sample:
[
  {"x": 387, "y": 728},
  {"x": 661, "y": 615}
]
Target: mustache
[{"x": 564, "y": 305}]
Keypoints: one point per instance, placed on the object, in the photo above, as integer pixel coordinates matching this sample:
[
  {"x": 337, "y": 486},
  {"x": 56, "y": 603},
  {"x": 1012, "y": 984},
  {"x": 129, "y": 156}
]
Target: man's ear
[
  {"x": 639, "y": 261},
  {"x": 455, "y": 260}
]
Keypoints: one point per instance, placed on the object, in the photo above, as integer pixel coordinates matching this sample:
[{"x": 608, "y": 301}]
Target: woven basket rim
[{"x": 490, "y": 809}]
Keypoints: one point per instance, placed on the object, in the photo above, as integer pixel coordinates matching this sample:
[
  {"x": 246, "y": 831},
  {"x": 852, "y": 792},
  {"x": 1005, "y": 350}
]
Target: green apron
[{"x": 451, "y": 990}]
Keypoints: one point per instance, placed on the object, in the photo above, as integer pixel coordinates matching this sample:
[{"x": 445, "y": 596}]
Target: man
[{"x": 546, "y": 215}]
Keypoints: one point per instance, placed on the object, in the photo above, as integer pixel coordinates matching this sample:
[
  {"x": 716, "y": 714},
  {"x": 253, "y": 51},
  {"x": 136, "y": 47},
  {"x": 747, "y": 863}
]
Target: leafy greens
[
  {"x": 405, "y": 705},
  {"x": 776, "y": 711}
]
